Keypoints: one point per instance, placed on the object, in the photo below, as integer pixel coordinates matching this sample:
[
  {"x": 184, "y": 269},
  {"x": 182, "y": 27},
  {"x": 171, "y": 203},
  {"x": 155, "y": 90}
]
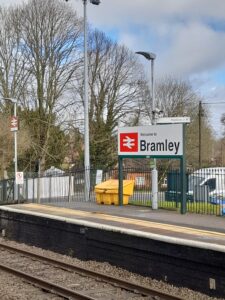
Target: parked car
[{"x": 207, "y": 184}]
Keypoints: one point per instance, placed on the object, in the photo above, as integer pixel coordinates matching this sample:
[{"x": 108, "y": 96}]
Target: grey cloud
[{"x": 195, "y": 48}]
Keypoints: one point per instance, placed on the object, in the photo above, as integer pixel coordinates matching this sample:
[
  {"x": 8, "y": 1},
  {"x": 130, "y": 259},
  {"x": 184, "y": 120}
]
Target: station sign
[
  {"x": 152, "y": 140},
  {"x": 174, "y": 120}
]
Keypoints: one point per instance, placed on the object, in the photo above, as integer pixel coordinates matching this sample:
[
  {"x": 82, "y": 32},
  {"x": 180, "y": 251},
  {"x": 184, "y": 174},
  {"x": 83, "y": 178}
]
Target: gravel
[{"x": 14, "y": 289}]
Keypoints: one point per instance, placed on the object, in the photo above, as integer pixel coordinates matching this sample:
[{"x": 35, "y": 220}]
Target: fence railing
[{"x": 205, "y": 188}]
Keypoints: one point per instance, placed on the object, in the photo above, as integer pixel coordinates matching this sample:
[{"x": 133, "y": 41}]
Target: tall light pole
[
  {"x": 151, "y": 56},
  {"x": 14, "y": 128},
  {"x": 200, "y": 114},
  {"x": 86, "y": 106}
]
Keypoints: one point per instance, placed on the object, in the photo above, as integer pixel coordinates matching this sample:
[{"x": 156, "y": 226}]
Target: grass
[{"x": 192, "y": 207}]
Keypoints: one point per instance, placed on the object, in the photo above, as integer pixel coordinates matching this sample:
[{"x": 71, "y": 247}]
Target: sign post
[
  {"x": 183, "y": 207},
  {"x": 154, "y": 141},
  {"x": 120, "y": 181}
]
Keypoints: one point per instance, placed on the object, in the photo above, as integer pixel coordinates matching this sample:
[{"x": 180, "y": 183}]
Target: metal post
[
  {"x": 15, "y": 152},
  {"x": 183, "y": 181},
  {"x": 120, "y": 181},
  {"x": 14, "y": 101},
  {"x": 69, "y": 191},
  {"x": 152, "y": 56},
  {"x": 153, "y": 90},
  {"x": 200, "y": 133},
  {"x": 154, "y": 171},
  {"x": 39, "y": 182},
  {"x": 86, "y": 112}
]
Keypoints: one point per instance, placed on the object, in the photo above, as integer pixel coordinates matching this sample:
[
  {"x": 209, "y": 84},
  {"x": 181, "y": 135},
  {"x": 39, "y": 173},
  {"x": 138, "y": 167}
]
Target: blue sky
[{"x": 188, "y": 37}]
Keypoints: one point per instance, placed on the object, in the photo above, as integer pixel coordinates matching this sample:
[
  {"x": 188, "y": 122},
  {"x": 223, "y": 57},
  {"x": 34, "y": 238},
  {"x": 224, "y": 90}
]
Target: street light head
[
  {"x": 147, "y": 55},
  {"x": 95, "y": 2}
]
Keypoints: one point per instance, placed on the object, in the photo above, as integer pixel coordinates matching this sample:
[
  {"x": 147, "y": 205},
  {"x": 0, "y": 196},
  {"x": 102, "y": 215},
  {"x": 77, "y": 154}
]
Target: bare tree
[
  {"x": 50, "y": 44},
  {"x": 114, "y": 93},
  {"x": 13, "y": 72},
  {"x": 176, "y": 98}
]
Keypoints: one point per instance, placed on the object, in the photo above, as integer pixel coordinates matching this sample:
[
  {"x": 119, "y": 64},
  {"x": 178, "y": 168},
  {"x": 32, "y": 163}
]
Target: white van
[{"x": 207, "y": 184}]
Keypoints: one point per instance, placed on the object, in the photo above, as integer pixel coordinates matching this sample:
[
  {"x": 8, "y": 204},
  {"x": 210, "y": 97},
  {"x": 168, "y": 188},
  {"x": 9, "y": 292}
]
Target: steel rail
[
  {"x": 47, "y": 285},
  {"x": 101, "y": 276}
]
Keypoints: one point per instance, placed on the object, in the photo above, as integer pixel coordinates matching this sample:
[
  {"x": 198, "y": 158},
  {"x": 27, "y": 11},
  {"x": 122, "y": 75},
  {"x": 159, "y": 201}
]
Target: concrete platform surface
[{"x": 208, "y": 222}]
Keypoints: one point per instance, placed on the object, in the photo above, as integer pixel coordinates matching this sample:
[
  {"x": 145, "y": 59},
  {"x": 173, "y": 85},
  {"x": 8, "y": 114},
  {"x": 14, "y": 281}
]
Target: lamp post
[
  {"x": 151, "y": 56},
  {"x": 86, "y": 106},
  {"x": 14, "y": 128}
]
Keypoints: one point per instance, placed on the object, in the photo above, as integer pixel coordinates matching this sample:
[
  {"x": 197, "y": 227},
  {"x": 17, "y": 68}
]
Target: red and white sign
[
  {"x": 129, "y": 142},
  {"x": 153, "y": 140},
  {"x": 14, "y": 123}
]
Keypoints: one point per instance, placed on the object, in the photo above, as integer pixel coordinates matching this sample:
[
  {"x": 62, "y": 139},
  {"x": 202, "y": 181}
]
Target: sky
[{"x": 187, "y": 36}]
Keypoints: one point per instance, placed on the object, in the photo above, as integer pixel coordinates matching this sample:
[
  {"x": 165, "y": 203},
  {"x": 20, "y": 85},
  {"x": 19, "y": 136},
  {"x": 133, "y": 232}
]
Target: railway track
[{"x": 71, "y": 281}]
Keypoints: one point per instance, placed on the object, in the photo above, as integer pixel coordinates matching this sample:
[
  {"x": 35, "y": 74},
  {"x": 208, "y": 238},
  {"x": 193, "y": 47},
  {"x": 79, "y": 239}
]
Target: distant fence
[{"x": 205, "y": 188}]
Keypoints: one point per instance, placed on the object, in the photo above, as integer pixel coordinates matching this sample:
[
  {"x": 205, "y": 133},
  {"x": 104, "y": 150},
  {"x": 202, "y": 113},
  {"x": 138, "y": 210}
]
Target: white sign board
[
  {"x": 98, "y": 176},
  {"x": 174, "y": 120},
  {"x": 153, "y": 140},
  {"x": 139, "y": 180},
  {"x": 19, "y": 178}
]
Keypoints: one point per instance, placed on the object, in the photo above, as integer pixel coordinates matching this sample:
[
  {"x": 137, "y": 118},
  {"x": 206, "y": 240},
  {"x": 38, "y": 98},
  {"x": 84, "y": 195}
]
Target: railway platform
[
  {"x": 191, "y": 227},
  {"x": 185, "y": 250}
]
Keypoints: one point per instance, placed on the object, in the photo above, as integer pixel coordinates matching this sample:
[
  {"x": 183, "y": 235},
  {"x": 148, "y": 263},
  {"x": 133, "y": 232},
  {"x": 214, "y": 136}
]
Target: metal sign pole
[
  {"x": 15, "y": 152},
  {"x": 120, "y": 181},
  {"x": 86, "y": 112},
  {"x": 183, "y": 181}
]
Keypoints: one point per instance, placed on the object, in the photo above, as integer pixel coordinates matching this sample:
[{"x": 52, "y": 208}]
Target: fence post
[{"x": 4, "y": 189}]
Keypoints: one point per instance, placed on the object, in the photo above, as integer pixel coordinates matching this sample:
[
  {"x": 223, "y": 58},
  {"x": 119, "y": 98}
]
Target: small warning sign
[{"x": 19, "y": 178}]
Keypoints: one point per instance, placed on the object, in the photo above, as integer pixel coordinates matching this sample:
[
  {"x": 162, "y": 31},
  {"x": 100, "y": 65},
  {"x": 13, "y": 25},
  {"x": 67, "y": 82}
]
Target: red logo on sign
[{"x": 129, "y": 142}]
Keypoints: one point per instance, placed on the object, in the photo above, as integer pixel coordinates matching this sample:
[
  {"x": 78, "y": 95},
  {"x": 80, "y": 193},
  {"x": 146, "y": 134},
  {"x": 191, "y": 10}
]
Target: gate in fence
[{"x": 6, "y": 191}]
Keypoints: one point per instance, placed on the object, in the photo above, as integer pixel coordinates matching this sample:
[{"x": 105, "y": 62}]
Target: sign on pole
[
  {"x": 99, "y": 174},
  {"x": 14, "y": 123},
  {"x": 19, "y": 178},
  {"x": 174, "y": 120},
  {"x": 153, "y": 140}
]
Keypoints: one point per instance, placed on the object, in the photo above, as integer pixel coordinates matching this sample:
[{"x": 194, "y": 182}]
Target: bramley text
[{"x": 159, "y": 146}]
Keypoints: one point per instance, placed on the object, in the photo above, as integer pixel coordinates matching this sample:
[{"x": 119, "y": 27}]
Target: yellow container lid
[{"x": 112, "y": 185}]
